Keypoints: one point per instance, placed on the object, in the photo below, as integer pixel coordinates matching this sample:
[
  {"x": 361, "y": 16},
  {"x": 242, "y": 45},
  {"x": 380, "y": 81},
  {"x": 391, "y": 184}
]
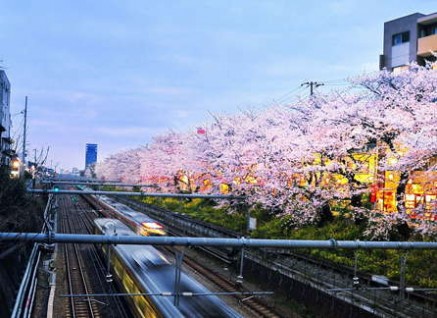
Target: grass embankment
[
  {"x": 420, "y": 271},
  {"x": 19, "y": 212}
]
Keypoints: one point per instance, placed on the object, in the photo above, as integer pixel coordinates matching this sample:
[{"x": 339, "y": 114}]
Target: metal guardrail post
[
  {"x": 402, "y": 272},
  {"x": 177, "y": 283}
]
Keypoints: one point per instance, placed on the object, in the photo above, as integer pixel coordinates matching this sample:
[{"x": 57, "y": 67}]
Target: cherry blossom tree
[{"x": 296, "y": 160}]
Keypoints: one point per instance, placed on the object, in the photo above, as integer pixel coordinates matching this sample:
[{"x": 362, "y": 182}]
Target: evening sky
[{"x": 117, "y": 73}]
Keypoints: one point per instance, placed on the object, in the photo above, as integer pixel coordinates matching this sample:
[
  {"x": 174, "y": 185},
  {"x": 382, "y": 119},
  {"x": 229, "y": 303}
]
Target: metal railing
[
  {"x": 99, "y": 183},
  {"x": 142, "y": 194},
  {"x": 50, "y": 238},
  {"x": 26, "y": 293}
]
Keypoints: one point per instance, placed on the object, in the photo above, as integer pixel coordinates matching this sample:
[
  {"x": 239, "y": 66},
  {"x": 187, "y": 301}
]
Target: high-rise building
[
  {"x": 407, "y": 39},
  {"x": 5, "y": 120},
  {"x": 90, "y": 155}
]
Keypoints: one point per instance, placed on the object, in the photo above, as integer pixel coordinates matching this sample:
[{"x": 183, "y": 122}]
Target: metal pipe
[
  {"x": 142, "y": 194},
  {"x": 100, "y": 183},
  {"x": 240, "y": 276},
  {"x": 78, "y": 179},
  {"x": 207, "y": 241},
  {"x": 177, "y": 281},
  {"x": 18, "y": 306},
  {"x": 32, "y": 291},
  {"x": 170, "y": 294},
  {"x": 29, "y": 270},
  {"x": 33, "y": 259}
]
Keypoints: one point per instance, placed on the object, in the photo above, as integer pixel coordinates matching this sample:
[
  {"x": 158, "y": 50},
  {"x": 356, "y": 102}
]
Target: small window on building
[
  {"x": 399, "y": 69},
  {"x": 400, "y": 38},
  {"x": 428, "y": 30}
]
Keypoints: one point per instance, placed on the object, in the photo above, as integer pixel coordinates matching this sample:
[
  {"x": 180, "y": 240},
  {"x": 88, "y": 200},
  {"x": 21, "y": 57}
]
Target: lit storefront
[{"x": 420, "y": 193}]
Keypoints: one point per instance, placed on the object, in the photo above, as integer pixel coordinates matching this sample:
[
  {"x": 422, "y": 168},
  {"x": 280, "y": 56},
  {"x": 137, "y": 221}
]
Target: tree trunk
[
  {"x": 325, "y": 214},
  {"x": 400, "y": 191}
]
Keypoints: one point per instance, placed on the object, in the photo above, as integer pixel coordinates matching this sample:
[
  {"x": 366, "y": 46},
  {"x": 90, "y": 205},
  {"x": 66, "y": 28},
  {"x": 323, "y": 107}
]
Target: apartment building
[
  {"x": 407, "y": 39},
  {"x": 5, "y": 120}
]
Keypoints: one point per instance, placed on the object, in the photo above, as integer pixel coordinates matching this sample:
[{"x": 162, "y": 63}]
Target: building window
[
  {"x": 400, "y": 69},
  {"x": 400, "y": 38},
  {"x": 428, "y": 30}
]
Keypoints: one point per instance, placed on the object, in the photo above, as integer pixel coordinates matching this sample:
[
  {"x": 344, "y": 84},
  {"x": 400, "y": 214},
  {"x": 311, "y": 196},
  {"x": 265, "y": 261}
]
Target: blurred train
[
  {"x": 143, "y": 269},
  {"x": 139, "y": 222}
]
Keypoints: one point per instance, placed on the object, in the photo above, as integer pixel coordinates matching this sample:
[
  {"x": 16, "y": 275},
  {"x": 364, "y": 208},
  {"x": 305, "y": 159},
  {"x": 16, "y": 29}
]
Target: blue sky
[{"x": 117, "y": 73}]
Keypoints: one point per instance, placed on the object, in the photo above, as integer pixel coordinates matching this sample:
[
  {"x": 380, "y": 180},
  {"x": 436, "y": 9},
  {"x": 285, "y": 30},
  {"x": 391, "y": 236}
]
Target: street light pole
[{"x": 24, "y": 131}]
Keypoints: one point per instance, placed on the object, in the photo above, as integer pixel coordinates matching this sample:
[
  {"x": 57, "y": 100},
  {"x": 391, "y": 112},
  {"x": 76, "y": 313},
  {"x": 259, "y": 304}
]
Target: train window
[
  {"x": 118, "y": 268},
  {"x": 149, "y": 257},
  {"x": 145, "y": 307},
  {"x": 135, "y": 290},
  {"x": 128, "y": 283},
  {"x": 141, "y": 305}
]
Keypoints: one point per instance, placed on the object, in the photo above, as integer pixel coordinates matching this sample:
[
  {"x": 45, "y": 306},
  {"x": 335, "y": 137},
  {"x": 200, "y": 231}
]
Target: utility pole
[
  {"x": 312, "y": 85},
  {"x": 24, "y": 132}
]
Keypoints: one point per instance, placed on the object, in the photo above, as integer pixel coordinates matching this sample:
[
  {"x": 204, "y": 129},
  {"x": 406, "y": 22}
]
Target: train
[
  {"x": 142, "y": 269},
  {"x": 138, "y": 222}
]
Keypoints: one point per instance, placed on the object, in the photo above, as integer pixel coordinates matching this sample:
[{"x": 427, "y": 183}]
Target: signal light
[
  {"x": 56, "y": 189},
  {"x": 152, "y": 225}
]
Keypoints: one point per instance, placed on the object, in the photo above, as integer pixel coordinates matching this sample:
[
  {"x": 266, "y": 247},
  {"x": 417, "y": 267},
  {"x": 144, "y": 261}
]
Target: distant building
[
  {"x": 75, "y": 172},
  {"x": 5, "y": 120},
  {"x": 90, "y": 155},
  {"x": 407, "y": 39}
]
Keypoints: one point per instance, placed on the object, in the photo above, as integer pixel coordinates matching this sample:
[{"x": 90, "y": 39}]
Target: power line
[{"x": 288, "y": 95}]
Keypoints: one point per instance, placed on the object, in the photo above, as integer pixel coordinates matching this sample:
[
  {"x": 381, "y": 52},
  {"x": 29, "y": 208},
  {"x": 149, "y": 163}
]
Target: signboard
[{"x": 252, "y": 224}]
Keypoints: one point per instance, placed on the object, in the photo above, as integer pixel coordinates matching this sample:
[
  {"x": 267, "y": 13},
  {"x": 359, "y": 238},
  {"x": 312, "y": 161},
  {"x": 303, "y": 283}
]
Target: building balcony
[{"x": 426, "y": 45}]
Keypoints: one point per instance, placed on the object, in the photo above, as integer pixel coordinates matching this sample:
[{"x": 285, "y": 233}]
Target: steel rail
[
  {"x": 207, "y": 241},
  {"x": 141, "y": 194}
]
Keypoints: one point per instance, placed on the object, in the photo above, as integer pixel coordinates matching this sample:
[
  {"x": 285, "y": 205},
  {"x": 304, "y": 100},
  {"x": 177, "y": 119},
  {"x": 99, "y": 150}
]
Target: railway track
[
  {"x": 77, "y": 279},
  {"x": 85, "y": 277},
  {"x": 253, "y": 305},
  {"x": 114, "y": 307}
]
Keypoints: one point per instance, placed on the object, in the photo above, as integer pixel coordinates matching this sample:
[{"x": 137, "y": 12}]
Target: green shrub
[{"x": 420, "y": 270}]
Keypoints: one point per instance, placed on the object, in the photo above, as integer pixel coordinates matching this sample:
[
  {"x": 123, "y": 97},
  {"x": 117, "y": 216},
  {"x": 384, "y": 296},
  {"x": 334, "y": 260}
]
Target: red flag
[{"x": 201, "y": 131}]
